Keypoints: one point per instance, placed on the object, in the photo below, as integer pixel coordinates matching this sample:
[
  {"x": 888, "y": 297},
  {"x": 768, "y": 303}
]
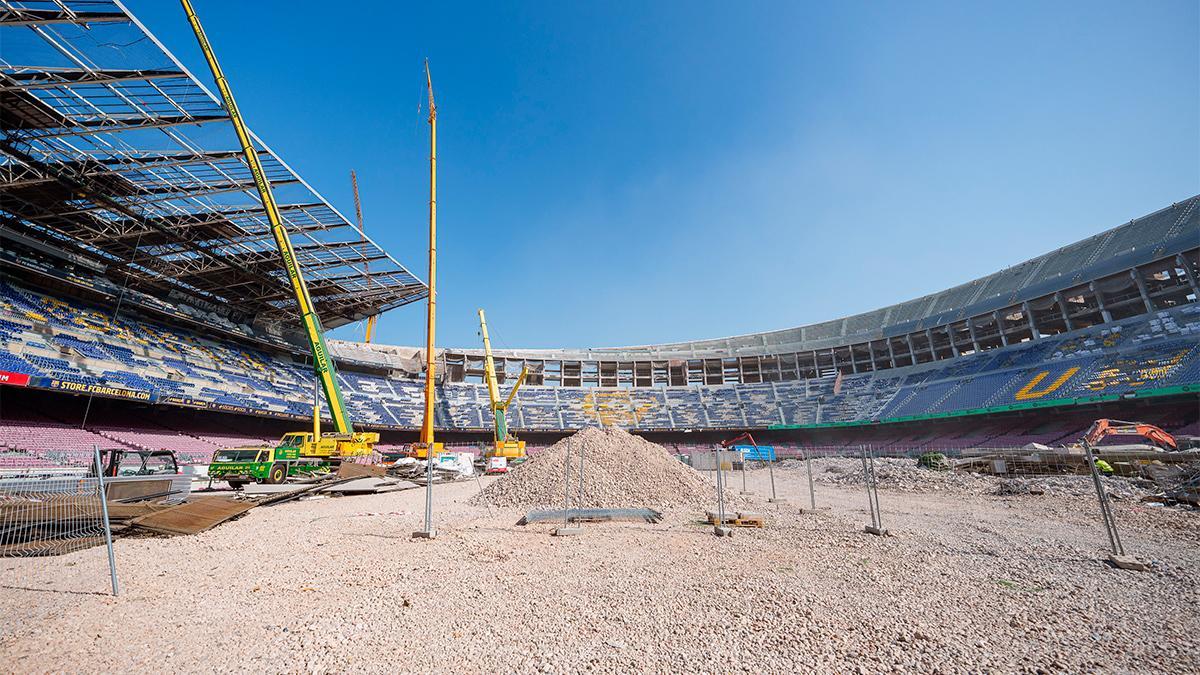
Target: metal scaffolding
[{"x": 111, "y": 150}]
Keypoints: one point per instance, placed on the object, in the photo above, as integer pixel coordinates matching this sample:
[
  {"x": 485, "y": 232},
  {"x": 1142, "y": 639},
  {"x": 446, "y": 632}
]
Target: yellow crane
[
  {"x": 422, "y": 447},
  {"x": 344, "y": 441},
  {"x": 367, "y": 265},
  {"x": 504, "y": 444}
]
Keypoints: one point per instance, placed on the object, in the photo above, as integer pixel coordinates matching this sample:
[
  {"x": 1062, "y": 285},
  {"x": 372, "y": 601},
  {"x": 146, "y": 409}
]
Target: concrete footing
[
  {"x": 722, "y": 531},
  {"x": 779, "y": 500},
  {"x": 877, "y": 531},
  {"x": 566, "y": 531},
  {"x": 1128, "y": 562},
  {"x": 422, "y": 534},
  {"x": 745, "y": 493}
]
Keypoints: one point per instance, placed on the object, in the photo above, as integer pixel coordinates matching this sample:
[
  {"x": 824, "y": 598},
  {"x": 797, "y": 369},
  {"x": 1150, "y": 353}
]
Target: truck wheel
[
  {"x": 237, "y": 484},
  {"x": 276, "y": 475}
]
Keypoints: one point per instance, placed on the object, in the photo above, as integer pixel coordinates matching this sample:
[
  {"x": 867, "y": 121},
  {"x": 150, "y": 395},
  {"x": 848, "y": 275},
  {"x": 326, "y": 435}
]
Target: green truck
[
  {"x": 263, "y": 464},
  {"x": 300, "y": 453}
]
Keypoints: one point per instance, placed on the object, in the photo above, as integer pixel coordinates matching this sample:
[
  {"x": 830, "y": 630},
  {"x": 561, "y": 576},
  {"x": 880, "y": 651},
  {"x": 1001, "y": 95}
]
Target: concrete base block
[
  {"x": 877, "y": 531},
  {"x": 777, "y": 500},
  {"x": 722, "y": 531},
  {"x": 745, "y": 493},
  {"x": 566, "y": 531},
  {"x": 1128, "y": 562},
  {"x": 422, "y": 534}
]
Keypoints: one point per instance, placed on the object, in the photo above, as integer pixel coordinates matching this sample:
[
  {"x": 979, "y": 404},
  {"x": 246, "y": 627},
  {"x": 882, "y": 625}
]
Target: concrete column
[
  {"x": 1104, "y": 313},
  {"x": 1062, "y": 309},
  {"x": 1182, "y": 263},
  {"x": 1141, "y": 284},
  {"x": 891, "y": 353},
  {"x": 974, "y": 340},
  {"x": 1000, "y": 327},
  {"x": 1028, "y": 312}
]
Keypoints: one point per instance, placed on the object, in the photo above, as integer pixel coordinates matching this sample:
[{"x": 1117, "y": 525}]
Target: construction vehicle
[
  {"x": 299, "y": 453},
  {"x": 1103, "y": 428},
  {"x": 504, "y": 444},
  {"x": 344, "y": 442},
  {"x": 296, "y": 454}
]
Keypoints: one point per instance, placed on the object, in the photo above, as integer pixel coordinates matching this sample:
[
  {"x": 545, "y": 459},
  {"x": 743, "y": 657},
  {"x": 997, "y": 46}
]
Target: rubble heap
[{"x": 619, "y": 470}]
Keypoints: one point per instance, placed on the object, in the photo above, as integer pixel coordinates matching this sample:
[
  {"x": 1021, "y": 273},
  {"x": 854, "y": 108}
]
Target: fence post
[
  {"x": 566, "y": 530},
  {"x": 868, "y": 462},
  {"x": 1117, "y": 557},
  {"x": 112, "y": 563},
  {"x": 428, "y": 532},
  {"x": 812, "y": 493},
  {"x": 719, "y": 527}
]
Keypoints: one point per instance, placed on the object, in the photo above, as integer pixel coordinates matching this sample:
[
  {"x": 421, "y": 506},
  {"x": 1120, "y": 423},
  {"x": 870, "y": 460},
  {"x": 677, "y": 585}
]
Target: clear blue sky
[{"x": 628, "y": 173}]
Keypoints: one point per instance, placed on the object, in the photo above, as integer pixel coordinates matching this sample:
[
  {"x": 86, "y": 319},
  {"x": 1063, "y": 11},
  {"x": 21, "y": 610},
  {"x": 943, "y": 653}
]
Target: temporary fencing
[{"x": 51, "y": 512}]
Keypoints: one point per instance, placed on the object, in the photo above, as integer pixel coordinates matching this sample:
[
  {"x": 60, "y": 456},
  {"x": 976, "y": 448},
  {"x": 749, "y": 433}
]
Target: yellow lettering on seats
[{"x": 1027, "y": 392}]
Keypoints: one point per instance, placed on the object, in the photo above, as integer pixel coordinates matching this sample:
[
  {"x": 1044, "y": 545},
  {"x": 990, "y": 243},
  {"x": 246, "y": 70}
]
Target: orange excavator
[{"x": 1103, "y": 428}]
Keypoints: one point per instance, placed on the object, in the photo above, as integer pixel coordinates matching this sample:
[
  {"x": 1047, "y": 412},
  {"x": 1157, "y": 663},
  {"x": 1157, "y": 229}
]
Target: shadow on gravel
[{"x": 54, "y": 590}]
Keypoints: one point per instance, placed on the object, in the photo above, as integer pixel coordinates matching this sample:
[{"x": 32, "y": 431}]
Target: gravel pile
[{"x": 619, "y": 470}]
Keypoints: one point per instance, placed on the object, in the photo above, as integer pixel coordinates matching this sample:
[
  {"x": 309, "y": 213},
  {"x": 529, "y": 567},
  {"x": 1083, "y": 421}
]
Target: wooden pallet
[{"x": 738, "y": 519}]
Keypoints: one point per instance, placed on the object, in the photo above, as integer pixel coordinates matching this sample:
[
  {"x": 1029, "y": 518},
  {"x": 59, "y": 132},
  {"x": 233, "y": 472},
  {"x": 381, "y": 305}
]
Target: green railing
[{"x": 1012, "y": 407}]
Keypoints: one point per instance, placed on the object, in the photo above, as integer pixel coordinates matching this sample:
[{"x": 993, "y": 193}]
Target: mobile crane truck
[{"x": 303, "y": 451}]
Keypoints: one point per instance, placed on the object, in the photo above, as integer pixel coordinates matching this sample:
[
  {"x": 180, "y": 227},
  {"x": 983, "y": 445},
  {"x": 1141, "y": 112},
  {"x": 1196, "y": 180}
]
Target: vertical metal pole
[
  {"x": 875, "y": 489},
  {"x": 744, "y": 473},
  {"x": 720, "y": 492},
  {"x": 112, "y": 563},
  {"x": 579, "y": 498},
  {"x": 1110, "y": 524},
  {"x": 429, "y": 488},
  {"x": 812, "y": 494},
  {"x": 567, "y": 485},
  {"x": 771, "y": 469}
]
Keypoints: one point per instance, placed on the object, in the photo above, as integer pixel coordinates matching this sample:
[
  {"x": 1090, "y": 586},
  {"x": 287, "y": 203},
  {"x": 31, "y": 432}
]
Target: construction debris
[
  {"x": 620, "y": 470},
  {"x": 192, "y": 517},
  {"x": 591, "y": 516}
]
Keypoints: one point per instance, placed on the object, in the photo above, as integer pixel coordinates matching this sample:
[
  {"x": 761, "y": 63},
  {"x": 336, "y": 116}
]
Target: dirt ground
[{"x": 968, "y": 582}]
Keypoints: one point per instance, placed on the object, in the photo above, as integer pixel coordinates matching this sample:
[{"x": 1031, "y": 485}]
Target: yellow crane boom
[{"x": 322, "y": 363}]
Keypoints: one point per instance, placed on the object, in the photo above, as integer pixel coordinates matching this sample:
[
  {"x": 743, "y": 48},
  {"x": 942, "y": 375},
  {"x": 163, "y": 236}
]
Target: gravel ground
[{"x": 970, "y": 582}]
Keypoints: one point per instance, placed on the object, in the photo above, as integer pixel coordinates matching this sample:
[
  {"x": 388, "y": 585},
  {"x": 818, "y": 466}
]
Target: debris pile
[
  {"x": 619, "y": 470},
  {"x": 896, "y": 473},
  {"x": 1072, "y": 486}
]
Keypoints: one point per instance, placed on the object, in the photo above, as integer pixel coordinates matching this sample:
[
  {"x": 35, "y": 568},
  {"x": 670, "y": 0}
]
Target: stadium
[{"x": 143, "y": 306}]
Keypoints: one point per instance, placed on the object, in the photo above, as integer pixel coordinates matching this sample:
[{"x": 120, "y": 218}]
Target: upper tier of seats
[{"x": 67, "y": 345}]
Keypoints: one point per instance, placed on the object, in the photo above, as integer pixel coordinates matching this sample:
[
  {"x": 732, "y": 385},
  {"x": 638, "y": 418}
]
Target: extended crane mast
[
  {"x": 504, "y": 444},
  {"x": 366, "y": 265},
  {"x": 427, "y": 422},
  {"x": 322, "y": 363}
]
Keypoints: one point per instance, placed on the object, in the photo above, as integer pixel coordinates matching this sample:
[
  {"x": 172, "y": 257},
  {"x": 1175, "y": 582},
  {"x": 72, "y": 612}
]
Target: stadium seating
[{"x": 56, "y": 341}]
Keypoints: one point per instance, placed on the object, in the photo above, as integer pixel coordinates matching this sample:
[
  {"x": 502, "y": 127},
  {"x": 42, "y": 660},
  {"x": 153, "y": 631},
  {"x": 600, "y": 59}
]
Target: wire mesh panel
[{"x": 52, "y": 512}]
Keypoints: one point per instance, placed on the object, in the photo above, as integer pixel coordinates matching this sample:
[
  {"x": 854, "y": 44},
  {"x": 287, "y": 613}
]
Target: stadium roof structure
[{"x": 111, "y": 149}]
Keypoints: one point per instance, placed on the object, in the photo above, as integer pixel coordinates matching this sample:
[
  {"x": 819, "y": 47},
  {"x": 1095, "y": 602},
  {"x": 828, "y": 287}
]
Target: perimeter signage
[
  {"x": 99, "y": 389},
  {"x": 15, "y": 379}
]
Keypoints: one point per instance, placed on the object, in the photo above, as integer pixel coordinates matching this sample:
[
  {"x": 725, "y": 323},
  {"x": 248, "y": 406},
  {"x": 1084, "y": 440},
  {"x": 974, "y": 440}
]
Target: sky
[{"x": 624, "y": 173}]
